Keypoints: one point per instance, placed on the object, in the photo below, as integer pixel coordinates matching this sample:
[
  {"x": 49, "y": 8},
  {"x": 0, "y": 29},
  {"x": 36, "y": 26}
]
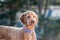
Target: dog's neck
[{"x": 27, "y": 30}]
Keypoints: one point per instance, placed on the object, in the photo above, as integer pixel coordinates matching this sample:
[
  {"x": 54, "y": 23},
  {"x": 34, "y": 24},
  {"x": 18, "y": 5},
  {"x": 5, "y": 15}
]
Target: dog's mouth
[{"x": 30, "y": 23}]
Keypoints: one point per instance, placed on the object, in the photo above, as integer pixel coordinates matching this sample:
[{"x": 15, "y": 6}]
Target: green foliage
[{"x": 58, "y": 20}]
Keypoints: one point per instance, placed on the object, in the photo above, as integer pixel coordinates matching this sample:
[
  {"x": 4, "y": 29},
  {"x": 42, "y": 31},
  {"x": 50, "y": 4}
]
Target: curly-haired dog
[{"x": 29, "y": 20}]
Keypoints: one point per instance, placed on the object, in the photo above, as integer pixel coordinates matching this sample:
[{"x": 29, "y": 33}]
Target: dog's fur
[{"x": 29, "y": 20}]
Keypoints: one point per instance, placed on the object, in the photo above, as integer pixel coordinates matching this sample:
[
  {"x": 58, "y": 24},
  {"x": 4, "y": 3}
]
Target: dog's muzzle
[{"x": 32, "y": 21}]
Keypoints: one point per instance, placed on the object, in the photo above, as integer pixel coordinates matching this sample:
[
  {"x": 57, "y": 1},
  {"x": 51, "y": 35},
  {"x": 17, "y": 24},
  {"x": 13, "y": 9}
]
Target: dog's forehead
[{"x": 29, "y": 14}]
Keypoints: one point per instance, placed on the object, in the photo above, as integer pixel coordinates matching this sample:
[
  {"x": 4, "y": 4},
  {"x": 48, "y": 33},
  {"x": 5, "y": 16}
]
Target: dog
[{"x": 29, "y": 19}]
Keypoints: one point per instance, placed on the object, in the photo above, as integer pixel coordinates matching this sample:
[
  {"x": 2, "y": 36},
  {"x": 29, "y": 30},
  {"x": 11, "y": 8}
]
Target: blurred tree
[{"x": 9, "y": 8}]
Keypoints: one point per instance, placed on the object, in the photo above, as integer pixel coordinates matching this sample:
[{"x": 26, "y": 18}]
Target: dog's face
[{"x": 29, "y": 18}]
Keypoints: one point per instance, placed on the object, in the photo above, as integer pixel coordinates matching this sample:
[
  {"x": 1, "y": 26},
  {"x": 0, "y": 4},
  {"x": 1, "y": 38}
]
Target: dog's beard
[{"x": 29, "y": 23}]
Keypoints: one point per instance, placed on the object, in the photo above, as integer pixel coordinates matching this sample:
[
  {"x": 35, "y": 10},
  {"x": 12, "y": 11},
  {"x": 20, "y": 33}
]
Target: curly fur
[{"x": 13, "y": 33}]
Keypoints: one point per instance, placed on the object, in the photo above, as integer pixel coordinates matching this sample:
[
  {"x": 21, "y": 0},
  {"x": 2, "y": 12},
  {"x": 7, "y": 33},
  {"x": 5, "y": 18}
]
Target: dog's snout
[{"x": 32, "y": 21}]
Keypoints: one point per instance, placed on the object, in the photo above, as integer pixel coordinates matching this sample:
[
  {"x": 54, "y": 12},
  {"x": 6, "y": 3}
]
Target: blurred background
[{"x": 48, "y": 12}]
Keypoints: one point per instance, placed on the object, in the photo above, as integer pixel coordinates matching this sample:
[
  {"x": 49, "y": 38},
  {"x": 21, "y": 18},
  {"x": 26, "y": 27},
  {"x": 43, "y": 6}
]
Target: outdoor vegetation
[{"x": 48, "y": 28}]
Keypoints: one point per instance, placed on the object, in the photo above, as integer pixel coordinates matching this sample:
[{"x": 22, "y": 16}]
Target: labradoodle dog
[{"x": 29, "y": 19}]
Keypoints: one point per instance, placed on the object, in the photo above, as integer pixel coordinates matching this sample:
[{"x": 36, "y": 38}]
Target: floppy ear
[
  {"x": 36, "y": 16},
  {"x": 37, "y": 19},
  {"x": 22, "y": 18}
]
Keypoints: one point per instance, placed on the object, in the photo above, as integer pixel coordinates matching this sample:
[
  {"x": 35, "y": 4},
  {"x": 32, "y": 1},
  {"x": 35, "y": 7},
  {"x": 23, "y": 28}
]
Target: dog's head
[{"x": 29, "y": 18}]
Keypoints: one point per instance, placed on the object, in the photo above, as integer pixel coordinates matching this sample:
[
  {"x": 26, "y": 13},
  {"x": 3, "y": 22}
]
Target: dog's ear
[{"x": 22, "y": 18}]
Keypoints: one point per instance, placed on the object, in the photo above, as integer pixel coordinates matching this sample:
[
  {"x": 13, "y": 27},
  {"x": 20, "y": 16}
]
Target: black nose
[{"x": 32, "y": 21}]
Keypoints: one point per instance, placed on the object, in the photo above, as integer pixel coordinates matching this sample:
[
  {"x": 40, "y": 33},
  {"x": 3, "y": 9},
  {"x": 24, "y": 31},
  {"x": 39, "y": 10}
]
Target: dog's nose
[{"x": 32, "y": 21}]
